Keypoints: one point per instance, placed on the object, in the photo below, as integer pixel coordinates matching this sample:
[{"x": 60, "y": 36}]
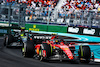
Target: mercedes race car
[
  {"x": 15, "y": 38},
  {"x": 54, "y": 48}
]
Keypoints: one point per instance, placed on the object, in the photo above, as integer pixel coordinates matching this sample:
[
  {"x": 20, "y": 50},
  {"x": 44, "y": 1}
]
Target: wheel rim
[
  {"x": 6, "y": 41},
  {"x": 24, "y": 50},
  {"x": 41, "y": 55}
]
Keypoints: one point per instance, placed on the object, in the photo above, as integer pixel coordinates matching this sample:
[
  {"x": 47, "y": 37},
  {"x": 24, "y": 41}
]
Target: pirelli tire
[
  {"x": 48, "y": 49},
  {"x": 28, "y": 49},
  {"x": 8, "y": 40},
  {"x": 4, "y": 42},
  {"x": 84, "y": 54}
]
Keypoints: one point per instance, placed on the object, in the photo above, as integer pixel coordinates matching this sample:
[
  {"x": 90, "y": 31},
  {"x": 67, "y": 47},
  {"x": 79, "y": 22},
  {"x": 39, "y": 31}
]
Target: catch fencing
[{"x": 22, "y": 14}]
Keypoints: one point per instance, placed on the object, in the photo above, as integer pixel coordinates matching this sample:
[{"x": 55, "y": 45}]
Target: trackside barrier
[
  {"x": 47, "y": 28},
  {"x": 84, "y": 31}
]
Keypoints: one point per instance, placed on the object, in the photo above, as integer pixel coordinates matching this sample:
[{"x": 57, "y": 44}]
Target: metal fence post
[
  {"x": 90, "y": 25},
  {"x": 9, "y": 17},
  {"x": 48, "y": 19},
  {"x": 19, "y": 15},
  {"x": 75, "y": 17},
  {"x": 82, "y": 18},
  {"x": 65, "y": 18},
  {"x": 91, "y": 17},
  {"x": 69, "y": 19},
  {"x": 24, "y": 14}
]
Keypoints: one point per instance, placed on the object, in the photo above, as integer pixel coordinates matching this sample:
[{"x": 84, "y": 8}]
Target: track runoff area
[{"x": 92, "y": 41}]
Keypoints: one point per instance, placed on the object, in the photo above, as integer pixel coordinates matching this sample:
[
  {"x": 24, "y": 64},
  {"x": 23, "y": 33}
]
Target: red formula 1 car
[{"x": 53, "y": 48}]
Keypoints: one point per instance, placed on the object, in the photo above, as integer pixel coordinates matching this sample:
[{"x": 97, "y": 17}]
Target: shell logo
[{"x": 66, "y": 48}]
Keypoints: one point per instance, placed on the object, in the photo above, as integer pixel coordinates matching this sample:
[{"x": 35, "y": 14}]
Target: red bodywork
[{"x": 61, "y": 45}]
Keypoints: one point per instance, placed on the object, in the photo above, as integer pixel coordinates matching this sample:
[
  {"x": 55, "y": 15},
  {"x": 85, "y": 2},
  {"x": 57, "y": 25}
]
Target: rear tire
[
  {"x": 85, "y": 53},
  {"x": 28, "y": 49},
  {"x": 8, "y": 40}
]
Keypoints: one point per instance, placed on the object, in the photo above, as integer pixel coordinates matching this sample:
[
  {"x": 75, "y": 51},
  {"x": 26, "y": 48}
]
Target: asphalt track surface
[{"x": 12, "y": 57}]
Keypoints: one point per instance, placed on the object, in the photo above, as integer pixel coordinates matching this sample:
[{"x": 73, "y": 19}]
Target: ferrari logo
[
  {"x": 53, "y": 47},
  {"x": 34, "y": 26},
  {"x": 66, "y": 48}
]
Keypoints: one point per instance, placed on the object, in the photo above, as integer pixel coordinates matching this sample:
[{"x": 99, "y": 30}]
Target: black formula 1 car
[
  {"x": 12, "y": 39},
  {"x": 54, "y": 48},
  {"x": 15, "y": 38}
]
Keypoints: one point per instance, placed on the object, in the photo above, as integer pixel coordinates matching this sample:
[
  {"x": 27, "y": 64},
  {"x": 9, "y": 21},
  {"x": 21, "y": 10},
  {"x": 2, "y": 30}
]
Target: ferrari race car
[{"x": 53, "y": 48}]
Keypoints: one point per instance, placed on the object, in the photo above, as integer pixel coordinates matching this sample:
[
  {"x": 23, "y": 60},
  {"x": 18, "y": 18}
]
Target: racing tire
[
  {"x": 48, "y": 50},
  {"x": 4, "y": 42},
  {"x": 84, "y": 53},
  {"x": 28, "y": 49},
  {"x": 8, "y": 40}
]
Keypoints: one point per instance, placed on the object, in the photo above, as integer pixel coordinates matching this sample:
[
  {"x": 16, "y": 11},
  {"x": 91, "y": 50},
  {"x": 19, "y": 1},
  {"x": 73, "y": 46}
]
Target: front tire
[
  {"x": 28, "y": 49},
  {"x": 84, "y": 53}
]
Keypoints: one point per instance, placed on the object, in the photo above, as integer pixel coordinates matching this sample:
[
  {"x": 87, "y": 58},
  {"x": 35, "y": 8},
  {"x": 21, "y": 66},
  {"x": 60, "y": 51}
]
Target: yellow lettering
[
  {"x": 29, "y": 28},
  {"x": 33, "y": 29}
]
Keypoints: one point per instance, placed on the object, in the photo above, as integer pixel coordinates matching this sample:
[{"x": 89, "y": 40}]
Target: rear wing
[
  {"x": 16, "y": 30},
  {"x": 39, "y": 36}
]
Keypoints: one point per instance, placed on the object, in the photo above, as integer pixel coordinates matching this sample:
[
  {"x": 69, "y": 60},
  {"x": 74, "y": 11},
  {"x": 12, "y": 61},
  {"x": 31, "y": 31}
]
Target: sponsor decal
[
  {"x": 42, "y": 37},
  {"x": 5, "y": 25},
  {"x": 73, "y": 30},
  {"x": 87, "y": 31},
  {"x": 84, "y": 31},
  {"x": 34, "y": 28}
]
